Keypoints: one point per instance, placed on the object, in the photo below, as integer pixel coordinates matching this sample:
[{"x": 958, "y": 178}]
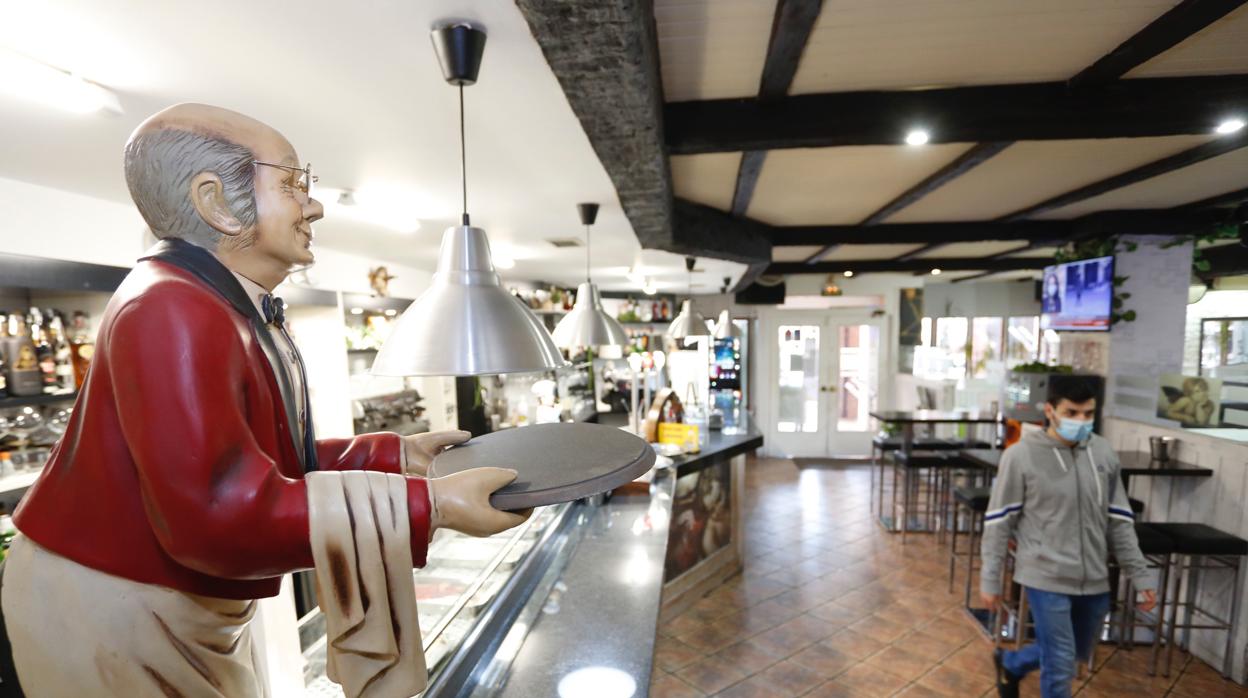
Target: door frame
[{"x": 769, "y": 368}]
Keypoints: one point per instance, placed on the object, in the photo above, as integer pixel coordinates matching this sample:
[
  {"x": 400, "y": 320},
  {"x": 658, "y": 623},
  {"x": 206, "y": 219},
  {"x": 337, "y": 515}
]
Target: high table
[
  {"x": 1143, "y": 464},
  {"x": 907, "y": 419}
]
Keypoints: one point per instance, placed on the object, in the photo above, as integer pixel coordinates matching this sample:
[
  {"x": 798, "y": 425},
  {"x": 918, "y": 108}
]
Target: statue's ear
[{"x": 208, "y": 195}]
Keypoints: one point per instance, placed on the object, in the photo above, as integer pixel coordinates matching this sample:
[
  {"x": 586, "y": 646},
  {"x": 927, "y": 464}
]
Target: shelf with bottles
[{"x": 44, "y": 351}]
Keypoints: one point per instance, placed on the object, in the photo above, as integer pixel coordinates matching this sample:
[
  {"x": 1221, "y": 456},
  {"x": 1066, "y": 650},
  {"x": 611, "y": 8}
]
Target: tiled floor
[{"x": 831, "y": 605}]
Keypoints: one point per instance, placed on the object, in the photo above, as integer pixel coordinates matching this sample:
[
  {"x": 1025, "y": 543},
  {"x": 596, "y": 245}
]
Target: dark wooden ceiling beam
[
  {"x": 980, "y": 275},
  {"x": 790, "y": 30},
  {"x": 1191, "y": 156},
  {"x": 1164, "y": 33},
  {"x": 964, "y": 163},
  {"x": 1036, "y": 111},
  {"x": 910, "y": 265},
  {"x": 917, "y": 233},
  {"x": 1230, "y": 198},
  {"x": 920, "y": 251}
]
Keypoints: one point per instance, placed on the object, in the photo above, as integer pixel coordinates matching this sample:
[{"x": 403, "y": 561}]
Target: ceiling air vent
[{"x": 565, "y": 242}]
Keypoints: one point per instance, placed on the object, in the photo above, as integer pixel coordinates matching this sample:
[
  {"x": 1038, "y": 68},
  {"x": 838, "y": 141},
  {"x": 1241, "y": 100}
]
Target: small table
[
  {"x": 1143, "y": 464},
  {"x": 907, "y": 419},
  {"x": 989, "y": 458}
]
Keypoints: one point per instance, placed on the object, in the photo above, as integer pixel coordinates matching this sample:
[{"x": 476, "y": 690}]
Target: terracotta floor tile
[
  {"x": 748, "y": 656},
  {"x": 854, "y": 644},
  {"x": 918, "y": 690},
  {"x": 954, "y": 629},
  {"x": 899, "y": 662},
  {"x": 709, "y": 638},
  {"x": 927, "y": 645},
  {"x": 683, "y": 625},
  {"x": 755, "y": 687},
  {"x": 878, "y": 628},
  {"x": 710, "y": 674},
  {"x": 669, "y": 686},
  {"x": 1192, "y": 683},
  {"x": 825, "y": 660},
  {"x": 786, "y": 639},
  {"x": 974, "y": 658},
  {"x": 671, "y": 654},
  {"x": 838, "y": 615},
  {"x": 834, "y": 689},
  {"x": 951, "y": 682},
  {"x": 791, "y": 678},
  {"x": 867, "y": 680}
]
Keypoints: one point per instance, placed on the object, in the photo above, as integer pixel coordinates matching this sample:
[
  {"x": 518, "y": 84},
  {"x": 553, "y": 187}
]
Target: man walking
[{"x": 1059, "y": 494}]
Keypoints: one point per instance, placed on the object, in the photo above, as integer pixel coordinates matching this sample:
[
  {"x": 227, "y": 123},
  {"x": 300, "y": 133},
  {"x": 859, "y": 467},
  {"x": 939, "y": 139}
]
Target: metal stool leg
[
  {"x": 972, "y": 537},
  {"x": 1233, "y": 621},
  {"x": 953, "y": 551},
  {"x": 1163, "y": 588}
]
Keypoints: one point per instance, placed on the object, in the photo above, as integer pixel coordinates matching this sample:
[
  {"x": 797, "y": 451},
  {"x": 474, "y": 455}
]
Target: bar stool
[
  {"x": 1197, "y": 548},
  {"x": 1011, "y": 614},
  {"x": 947, "y": 477},
  {"x": 883, "y": 445},
  {"x": 1157, "y": 549},
  {"x": 913, "y": 467},
  {"x": 975, "y": 501}
]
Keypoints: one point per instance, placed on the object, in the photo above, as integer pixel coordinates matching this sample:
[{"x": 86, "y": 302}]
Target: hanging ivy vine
[
  {"x": 1226, "y": 231},
  {"x": 1103, "y": 247}
]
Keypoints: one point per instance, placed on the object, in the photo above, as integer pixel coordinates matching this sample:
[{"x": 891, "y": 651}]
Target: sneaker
[{"x": 1007, "y": 683}]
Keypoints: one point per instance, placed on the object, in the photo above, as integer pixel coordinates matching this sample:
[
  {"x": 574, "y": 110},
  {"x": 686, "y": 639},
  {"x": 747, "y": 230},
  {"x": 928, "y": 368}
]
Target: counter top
[
  {"x": 720, "y": 446},
  {"x": 599, "y": 622},
  {"x": 936, "y": 416}
]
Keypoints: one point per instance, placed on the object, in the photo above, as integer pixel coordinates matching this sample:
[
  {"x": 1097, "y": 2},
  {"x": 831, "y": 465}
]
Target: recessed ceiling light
[
  {"x": 848, "y": 273},
  {"x": 917, "y": 136},
  {"x": 935, "y": 272},
  {"x": 357, "y": 311},
  {"x": 1230, "y": 126},
  {"x": 391, "y": 312}
]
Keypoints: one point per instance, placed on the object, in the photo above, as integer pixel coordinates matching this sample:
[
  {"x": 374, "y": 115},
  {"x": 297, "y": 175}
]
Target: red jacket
[{"x": 178, "y": 467}]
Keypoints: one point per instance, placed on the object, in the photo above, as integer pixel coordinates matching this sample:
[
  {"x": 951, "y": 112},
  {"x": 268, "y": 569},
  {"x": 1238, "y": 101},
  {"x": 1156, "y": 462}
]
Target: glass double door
[{"x": 826, "y": 382}]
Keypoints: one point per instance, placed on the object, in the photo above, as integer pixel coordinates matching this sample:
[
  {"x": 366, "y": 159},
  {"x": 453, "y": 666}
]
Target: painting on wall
[
  {"x": 701, "y": 518},
  {"x": 1193, "y": 401}
]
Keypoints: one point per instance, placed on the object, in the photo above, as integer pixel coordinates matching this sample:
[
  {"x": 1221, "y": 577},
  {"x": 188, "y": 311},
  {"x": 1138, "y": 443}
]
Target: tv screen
[{"x": 1078, "y": 295}]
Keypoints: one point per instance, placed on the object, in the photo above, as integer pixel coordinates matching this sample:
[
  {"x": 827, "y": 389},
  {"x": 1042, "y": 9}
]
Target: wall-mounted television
[{"x": 1078, "y": 295}]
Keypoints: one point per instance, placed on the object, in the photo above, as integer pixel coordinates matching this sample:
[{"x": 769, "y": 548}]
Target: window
[{"x": 986, "y": 347}]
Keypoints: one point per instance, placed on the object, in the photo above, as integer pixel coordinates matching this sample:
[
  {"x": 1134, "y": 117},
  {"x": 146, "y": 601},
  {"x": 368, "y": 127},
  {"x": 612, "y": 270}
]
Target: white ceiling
[{"x": 357, "y": 89}]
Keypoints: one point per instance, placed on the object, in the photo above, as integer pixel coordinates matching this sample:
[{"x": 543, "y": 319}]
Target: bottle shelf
[{"x": 35, "y": 400}]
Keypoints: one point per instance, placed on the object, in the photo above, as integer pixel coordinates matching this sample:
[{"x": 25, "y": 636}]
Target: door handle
[{"x": 827, "y": 388}]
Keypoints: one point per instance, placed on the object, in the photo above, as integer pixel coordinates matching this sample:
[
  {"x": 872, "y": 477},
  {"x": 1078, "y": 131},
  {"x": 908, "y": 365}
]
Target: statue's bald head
[{"x": 169, "y": 149}]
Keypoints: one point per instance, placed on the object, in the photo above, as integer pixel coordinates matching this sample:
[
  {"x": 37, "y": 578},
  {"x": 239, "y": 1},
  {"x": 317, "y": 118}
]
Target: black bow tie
[{"x": 274, "y": 309}]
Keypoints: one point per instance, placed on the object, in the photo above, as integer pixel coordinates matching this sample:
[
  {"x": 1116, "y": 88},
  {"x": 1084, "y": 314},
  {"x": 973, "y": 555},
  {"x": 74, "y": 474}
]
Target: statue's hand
[
  {"x": 422, "y": 448},
  {"x": 461, "y": 502}
]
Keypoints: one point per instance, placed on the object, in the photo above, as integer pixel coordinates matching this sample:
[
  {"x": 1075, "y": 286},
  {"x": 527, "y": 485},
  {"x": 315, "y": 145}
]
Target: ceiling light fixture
[
  {"x": 648, "y": 287},
  {"x": 918, "y": 136},
  {"x": 689, "y": 322},
  {"x": 849, "y": 273},
  {"x": 26, "y": 78},
  {"x": 381, "y": 204},
  {"x": 587, "y": 324},
  {"x": 466, "y": 323},
  {"x": 1229, "y": 126},
  {"x": 724, "y": 327},
  {"x": 501, "y": 262},
  {"x": 935, "y": 272}
]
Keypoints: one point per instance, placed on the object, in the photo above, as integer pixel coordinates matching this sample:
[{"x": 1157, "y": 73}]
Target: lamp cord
[
  {"x": 463, "y": 154},
  {"x": 587, "y": 279}
]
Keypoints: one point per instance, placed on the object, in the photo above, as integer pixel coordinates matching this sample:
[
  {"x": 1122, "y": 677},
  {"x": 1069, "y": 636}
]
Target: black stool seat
[
  {"x": 921, "y": 459},
  {"x": 1199, "y": 539},
  {"x": 893, "y": 443},
  {"x": 1152, "y": 541},
  {"x": 976, "y": 498},
  {"x": 1137, "y": 507}
]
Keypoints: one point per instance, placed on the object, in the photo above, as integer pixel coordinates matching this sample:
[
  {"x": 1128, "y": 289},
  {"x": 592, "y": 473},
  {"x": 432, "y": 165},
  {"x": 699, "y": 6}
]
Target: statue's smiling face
[{"x": 284, "y": 211}]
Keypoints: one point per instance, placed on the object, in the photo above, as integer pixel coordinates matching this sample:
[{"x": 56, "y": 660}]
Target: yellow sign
[{"x": 683, "y": 435}]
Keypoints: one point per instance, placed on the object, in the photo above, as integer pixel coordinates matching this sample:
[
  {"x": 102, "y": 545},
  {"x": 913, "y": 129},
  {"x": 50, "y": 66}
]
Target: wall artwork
[
  {"x": 701, "y": 519},
  {"x": 1193, "y": 401}
]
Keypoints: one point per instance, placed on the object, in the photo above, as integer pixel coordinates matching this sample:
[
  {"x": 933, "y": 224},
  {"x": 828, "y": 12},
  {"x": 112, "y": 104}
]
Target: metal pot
[{"x": 1162, "y": 447}]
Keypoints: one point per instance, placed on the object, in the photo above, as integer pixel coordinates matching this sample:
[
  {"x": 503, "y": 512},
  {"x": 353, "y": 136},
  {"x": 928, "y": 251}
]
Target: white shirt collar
[{"x": 254, "y": 291}]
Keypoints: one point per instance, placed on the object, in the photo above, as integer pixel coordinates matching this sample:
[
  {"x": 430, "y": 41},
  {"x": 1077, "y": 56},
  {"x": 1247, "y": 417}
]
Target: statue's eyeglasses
[{"x": 306, "y": 178}]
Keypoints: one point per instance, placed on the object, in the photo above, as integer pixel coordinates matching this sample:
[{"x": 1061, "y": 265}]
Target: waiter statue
[{"x": 189, "y": 480}]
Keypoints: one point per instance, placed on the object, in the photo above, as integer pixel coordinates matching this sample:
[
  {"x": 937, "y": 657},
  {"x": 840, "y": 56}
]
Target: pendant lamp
[
  {"x": 689, "y": 322},
  {"x": 588, "y": 325},
  {"x": 466, "y": 323},
  {"x": 724, "y": 327}
]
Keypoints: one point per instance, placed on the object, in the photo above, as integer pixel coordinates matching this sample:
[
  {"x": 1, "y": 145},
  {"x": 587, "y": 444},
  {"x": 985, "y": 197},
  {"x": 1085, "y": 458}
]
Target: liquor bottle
[
  {"x": 667, "y": 311},
  {"x": 43, "y": 348},
  {"x": 24, "y": 377},
  {"x": 61, "y": 352},
  {"x": 81, "y": 347}
]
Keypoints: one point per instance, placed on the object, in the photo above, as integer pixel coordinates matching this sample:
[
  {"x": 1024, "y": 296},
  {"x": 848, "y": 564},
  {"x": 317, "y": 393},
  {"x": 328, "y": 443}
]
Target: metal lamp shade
[
  {"x": 588, "y": 325},
  {"x": 724, "y": 329},
  {"x": 688, "y": 323},
  {"x": 466, "y": 323}
]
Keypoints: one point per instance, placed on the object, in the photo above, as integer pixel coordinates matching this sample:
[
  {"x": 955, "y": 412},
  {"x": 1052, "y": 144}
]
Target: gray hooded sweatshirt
[{"x": 1068, "y": 510}]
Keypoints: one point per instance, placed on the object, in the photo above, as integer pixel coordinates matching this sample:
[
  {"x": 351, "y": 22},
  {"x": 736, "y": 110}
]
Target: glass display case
[{"x": 463, "y": 576}]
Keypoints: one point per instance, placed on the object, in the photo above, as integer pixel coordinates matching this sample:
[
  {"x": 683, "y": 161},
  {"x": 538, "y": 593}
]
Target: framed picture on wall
[{"x": 1193, "y": 401}]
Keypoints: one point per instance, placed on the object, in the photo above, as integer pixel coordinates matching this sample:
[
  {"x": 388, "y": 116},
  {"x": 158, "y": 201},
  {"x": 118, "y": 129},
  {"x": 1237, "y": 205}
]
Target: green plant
[
  {"x": 1221, "y": 231},
  {"x": 1041, "y": 367},
  {"x": 1092, "y": 248}
]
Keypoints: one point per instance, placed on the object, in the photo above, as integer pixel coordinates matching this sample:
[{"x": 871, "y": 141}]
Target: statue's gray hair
[{"x": 159, "y": 168}]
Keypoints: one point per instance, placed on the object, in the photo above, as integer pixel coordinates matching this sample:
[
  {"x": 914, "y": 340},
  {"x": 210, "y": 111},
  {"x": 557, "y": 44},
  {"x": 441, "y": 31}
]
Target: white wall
[{"x": 44, "y": 222}]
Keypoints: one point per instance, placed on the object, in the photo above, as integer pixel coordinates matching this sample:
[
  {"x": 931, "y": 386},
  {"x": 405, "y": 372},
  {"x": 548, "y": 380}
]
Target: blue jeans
[{"x": 1066, "y": 630}]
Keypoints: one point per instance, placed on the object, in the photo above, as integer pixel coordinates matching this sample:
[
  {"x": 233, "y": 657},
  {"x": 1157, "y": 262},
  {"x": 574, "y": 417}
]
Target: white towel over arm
[{"x": 362, "y": 551}]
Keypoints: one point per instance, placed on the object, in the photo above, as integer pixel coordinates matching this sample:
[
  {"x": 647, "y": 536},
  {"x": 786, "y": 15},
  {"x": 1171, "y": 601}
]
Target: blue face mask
[{"x": 1074, "y": 429}]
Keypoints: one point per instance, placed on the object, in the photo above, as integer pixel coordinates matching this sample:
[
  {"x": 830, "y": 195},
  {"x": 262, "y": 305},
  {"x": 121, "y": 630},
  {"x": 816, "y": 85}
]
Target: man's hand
[
  {"x": 991, "y": 601},
  {"x": 421, "y": 448},
  {"x": 1148, "y": 600},
  {"x": 461, "y": 502}
]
